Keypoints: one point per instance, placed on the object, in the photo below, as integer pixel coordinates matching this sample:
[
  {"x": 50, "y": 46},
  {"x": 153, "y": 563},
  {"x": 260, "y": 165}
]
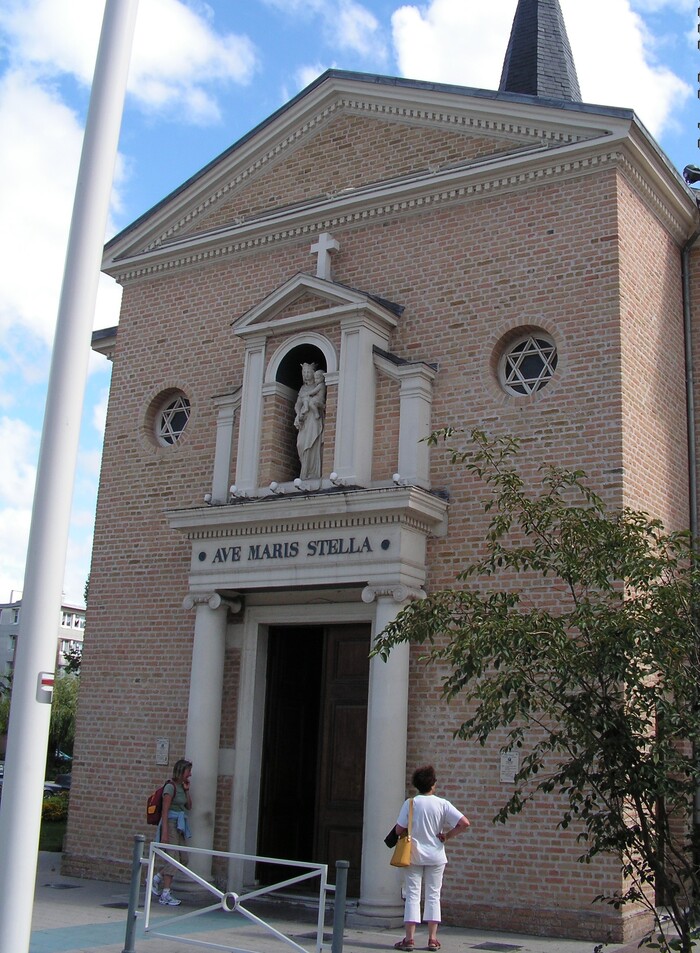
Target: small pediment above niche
[{"x": 307, "y": 301}]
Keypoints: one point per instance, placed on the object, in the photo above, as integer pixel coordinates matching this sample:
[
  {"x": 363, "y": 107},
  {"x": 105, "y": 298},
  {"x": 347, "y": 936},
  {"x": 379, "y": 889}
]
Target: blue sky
[{"x": 202, "y": 75}]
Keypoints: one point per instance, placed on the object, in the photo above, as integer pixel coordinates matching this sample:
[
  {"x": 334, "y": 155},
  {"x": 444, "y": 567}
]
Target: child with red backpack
[{"x": 174, "y": 828}]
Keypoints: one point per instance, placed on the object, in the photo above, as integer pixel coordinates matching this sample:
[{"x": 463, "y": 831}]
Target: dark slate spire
[{"x": 538, "y": 60}]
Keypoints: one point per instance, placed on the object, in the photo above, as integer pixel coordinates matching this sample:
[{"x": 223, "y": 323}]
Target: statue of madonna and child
[{"x": 309, "y": 410}]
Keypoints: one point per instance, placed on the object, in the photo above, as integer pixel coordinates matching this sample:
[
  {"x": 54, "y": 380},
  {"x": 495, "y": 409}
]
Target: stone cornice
[
  {"x": 660, "y": 186},
  {"x": 528, "y": 132},
  {"x": 470, "y": 182},
  {"x": 364, "y": 205},
  {"x": 350, "y": 509}
]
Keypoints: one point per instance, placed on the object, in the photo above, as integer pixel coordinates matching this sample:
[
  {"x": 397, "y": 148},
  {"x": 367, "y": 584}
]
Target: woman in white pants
[{"x": 434, "y": 822}]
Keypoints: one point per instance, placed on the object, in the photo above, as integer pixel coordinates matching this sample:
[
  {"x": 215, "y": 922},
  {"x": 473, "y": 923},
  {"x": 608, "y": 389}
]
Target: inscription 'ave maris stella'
[{"x": 291, "y": 549}]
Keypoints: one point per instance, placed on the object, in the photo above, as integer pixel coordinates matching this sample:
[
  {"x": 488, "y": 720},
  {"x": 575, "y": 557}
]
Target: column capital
[
  {"x": 397, "y": 593},
  {"x": 214, "y": 600}
]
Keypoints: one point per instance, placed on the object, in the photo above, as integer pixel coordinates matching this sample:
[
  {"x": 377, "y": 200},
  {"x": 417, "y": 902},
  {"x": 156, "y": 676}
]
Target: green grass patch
[{"x": 51, "y": 835}]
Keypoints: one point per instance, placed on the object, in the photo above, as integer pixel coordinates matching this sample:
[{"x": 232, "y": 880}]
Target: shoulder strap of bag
[{"x": 410, "y": 817}]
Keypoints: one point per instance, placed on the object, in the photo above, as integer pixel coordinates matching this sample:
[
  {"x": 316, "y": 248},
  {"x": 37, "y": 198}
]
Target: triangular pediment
[
  {"x": 350, "y": 151},
  {"x": 352, "y": 145},
  {"x": 306, "y": 301}
]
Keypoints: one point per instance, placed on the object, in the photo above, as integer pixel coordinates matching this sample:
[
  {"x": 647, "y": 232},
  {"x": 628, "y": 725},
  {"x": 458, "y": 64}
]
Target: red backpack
[{"x": 154, "y": 805}]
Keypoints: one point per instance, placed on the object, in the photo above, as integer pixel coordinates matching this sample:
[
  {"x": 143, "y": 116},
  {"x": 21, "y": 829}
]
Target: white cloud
[
  {"x": 622, "y": 74},
  {"x": 18, "y": 472},
  {"x": 176, "y": 55},
  {"x": 99, "y": 417},
  {"x": 17, "y": 478},
  {"x": 37, "y": 182},
  {"x": 346, "y": 24},
  {"x": 655, "y": 6},
  {"x": 177, "y": 62},
  {"x": 453, "y": 41},
  {"x": 307, "y": 74},
  {"x": 357, "y": 29},
  {"x": 14, "y": 533},
  {"x": 78, "y": 556},
  {"x": 464, "y": 42}
]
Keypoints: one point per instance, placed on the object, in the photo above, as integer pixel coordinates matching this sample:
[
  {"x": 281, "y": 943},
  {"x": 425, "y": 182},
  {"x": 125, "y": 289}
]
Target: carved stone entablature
[{"x": 375, "y": 538}]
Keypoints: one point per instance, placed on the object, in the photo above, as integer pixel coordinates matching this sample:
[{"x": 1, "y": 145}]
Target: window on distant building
[{"x": 528, "y": 363}]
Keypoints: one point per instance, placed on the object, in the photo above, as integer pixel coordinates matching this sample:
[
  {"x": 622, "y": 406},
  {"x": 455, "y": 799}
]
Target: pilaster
[
  {"x": 248, "y": 457},
  {"x": 225, "y": 420}
]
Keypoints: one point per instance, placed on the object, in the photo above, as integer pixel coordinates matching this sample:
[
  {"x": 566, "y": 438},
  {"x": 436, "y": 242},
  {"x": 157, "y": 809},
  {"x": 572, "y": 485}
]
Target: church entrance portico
[
  {"x": 307, "y": 583},
  {"x": 358, "y": 782}
]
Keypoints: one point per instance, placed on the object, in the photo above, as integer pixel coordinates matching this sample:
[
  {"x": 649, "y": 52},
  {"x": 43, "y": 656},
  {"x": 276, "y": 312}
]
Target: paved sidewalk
[{"x": 72, "y": 915}]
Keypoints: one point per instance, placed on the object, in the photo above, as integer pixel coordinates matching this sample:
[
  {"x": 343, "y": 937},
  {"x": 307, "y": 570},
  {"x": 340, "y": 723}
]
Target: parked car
[
  {"x": 50, "y": 787},
  {"x": 64, "y": 780}
]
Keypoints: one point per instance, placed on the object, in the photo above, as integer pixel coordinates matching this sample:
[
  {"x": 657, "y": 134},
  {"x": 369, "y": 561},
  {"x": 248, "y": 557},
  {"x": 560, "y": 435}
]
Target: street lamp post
[{"x": 20, "y": 809}]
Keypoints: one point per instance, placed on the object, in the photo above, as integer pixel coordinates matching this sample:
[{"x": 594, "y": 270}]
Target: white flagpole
[{"x": 20, "y": 808}]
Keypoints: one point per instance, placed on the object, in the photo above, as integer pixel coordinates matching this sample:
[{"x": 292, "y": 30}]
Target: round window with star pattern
[
  {"x": 528, "y": 364},
  {"x": 172, "y": 420}
]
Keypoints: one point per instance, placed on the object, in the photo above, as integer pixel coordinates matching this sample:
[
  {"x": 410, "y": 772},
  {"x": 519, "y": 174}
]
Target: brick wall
[
  {"x": 569, "y": 257},
  {"x": 349, "y": 151}
]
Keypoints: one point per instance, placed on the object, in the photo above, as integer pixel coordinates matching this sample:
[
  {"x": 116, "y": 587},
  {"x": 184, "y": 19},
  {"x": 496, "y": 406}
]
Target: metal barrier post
[
  {"x": 341, "y": 889},
  {"x": 139, "y": 841}
]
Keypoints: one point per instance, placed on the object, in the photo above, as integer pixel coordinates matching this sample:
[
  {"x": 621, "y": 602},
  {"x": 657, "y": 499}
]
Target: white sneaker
[
  {"x": 167, "y": 899},
  {"x": 156, "y": 885}
]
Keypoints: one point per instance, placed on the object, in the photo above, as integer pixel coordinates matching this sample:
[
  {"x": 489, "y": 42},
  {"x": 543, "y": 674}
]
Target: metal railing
[{"x": 230, "y": 902}]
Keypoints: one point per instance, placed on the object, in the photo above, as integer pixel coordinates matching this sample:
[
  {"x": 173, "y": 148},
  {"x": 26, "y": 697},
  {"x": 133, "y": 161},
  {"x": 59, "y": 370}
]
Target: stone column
[
  {"x": 204, "y": 718},
  {"x": 385, "y": 765}
]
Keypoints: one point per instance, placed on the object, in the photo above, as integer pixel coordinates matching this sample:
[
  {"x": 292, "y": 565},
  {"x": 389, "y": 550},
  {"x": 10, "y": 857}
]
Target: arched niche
[{"x": 284, "y": 366}]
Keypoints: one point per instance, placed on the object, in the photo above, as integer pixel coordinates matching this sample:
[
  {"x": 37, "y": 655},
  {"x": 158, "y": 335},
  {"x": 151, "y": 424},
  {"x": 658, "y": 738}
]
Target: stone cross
[{"x": 324, "y": 247}]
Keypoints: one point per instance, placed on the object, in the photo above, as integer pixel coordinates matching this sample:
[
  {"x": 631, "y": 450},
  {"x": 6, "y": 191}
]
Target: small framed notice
[
  {"x": 510, "y": 765},
  {"x": 162, "y": 750}
]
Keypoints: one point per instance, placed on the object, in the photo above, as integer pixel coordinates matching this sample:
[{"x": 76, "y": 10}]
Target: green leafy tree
[
  {"x": 590, "y": 667},
  {"x": 63, "y": 712},
  {"x": 4, "y": 710},
  {"x": 74, "y": 658}
]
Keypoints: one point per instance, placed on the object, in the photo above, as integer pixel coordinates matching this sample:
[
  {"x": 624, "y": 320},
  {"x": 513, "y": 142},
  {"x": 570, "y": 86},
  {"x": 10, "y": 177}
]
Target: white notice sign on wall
[
  {"x": 162, "y": 750},
  {"x": 510, "y": 765}
]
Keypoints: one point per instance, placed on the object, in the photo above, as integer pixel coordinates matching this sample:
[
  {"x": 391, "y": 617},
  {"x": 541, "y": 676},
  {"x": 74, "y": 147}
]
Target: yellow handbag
[{"x": 402, "y": 852}]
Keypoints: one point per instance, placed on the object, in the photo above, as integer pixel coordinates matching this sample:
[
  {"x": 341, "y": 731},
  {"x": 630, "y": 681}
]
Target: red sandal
[
  {"x": 433, "y": 944},
  {"x": 405, "y": 945}
]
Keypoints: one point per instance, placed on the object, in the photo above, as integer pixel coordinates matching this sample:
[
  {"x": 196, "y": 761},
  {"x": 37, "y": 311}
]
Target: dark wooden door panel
[
  {"x": 290, "y": 747},
  {"x": 313, "y": 767},
  {"x": 341, "y": 775}
]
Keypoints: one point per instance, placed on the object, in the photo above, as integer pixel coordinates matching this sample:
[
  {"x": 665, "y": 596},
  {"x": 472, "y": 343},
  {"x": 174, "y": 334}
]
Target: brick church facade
[{"x": 516, "y": 260}]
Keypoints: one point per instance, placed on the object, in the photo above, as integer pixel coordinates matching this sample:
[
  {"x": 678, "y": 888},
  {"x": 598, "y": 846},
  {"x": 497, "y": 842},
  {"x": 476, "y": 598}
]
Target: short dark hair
[{"x": 424, "y": 778}]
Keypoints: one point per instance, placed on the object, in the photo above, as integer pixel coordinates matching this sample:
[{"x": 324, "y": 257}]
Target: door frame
[{"x": 245, "y": 798}]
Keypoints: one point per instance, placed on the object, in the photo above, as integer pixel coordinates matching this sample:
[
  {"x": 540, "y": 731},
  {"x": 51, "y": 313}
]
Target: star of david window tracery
[
  {"x": 529, "y": 364},
  {"x": 172, "y": 420}
]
